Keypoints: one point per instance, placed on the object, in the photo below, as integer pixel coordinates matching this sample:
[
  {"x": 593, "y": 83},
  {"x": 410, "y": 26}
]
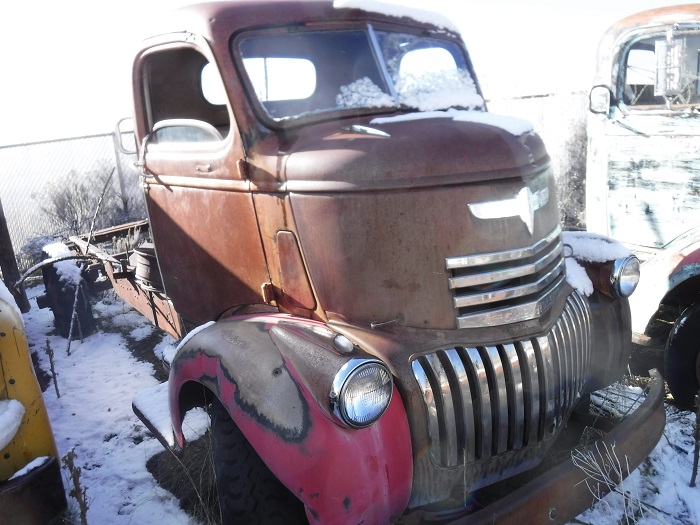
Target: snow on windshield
[
  {"x": 363, "y": 93},
  {"x": 438, "y": 90}
]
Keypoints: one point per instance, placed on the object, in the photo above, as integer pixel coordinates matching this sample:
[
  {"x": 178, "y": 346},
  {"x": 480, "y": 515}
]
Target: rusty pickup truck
[{"x": 366, "y": 272}]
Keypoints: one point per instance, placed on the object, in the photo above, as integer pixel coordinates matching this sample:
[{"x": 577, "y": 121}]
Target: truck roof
[
  {"x": 222, "y": 19},
  {"x": 641, "y": 23}
]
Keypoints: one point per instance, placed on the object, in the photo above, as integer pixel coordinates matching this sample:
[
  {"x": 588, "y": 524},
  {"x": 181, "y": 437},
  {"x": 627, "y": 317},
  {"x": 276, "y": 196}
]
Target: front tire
[
  {"x": 682, "y": 357},
  {"x": 249, "y": 493}
]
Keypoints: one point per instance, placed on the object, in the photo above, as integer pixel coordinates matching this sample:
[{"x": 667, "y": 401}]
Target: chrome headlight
[
  {"x": 361, "y": 392},
  {"x": 625, "y": 276}
]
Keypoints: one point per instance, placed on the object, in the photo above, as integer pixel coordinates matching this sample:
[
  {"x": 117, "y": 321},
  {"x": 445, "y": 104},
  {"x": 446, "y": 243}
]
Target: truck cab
[
  {"x": 643, "y": 176},
  {"x": 366, "y": 272}
]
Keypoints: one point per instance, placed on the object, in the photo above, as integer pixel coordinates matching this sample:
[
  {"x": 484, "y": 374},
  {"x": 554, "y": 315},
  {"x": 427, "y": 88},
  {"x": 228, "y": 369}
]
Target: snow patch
[
  {"x": 11, "y": 413},
  {"x": 399, "y": 11},
  {"x": 68, "y": 271},
  {"x": 512, "y": 125},
  {"x": 35, "y": 463},
  {"x": 141, "y": 332},
  {"x": 56, "y": 250},
  {"x": 194, "y": 332},
  {"x": 7, "y": 297},
  {"x": 590, "y": 247},
  {"x": 577, "y": 277},
  {"x": 593, "y": 247},
  {"x": 153, "y": 403},
  {"x": 166, "y": 350}
]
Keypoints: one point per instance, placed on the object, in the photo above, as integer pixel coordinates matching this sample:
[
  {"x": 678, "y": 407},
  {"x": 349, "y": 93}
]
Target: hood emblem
[{"x": 524, "y": 205}]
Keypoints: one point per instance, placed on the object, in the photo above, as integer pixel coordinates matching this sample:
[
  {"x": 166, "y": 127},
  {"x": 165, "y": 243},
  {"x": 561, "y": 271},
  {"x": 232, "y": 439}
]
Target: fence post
[
  {"x": 8, "y": 265},
  {"x": 120, "y": 175}
]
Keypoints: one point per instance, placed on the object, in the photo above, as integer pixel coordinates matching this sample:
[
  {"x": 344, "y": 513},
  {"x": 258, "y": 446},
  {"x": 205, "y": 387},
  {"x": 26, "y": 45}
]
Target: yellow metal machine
[{"x": 31, "y": 489}]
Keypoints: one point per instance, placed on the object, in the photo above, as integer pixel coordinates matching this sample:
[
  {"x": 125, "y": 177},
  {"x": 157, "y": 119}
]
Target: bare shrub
[
  {"x": 604, "y": 473},
  {"x": 70, "y": 203},
  {"x": 78, "y": 492},
  {"x": 571, "y": 187}
]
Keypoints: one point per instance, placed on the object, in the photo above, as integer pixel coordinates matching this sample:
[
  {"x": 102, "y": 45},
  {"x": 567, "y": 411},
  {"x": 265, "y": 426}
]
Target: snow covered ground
[{"x": 93, "y": 417}]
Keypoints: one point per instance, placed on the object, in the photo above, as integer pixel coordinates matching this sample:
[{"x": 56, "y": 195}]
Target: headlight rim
[
  {"x": 340, "y": 381},
  {"x": 619, "y": 266}
]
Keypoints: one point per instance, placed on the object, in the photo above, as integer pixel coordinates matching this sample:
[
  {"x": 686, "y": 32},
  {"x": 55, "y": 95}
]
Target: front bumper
[
  {"x": 34, "y": 498},
  {"x": 561, "y": 493}
]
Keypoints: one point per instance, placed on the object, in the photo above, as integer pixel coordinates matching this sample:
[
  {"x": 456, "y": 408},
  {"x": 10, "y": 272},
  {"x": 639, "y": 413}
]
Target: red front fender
[{"x": 342, "y": 475}]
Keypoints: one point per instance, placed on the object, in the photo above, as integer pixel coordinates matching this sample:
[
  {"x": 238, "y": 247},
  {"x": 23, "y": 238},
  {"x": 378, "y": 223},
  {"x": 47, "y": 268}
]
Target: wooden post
[{"x": 8, "y": 265}]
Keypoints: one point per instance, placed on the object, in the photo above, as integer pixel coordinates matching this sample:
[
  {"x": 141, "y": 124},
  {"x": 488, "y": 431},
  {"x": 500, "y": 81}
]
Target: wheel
[
  {"x": 682, "y": 357},
  {"x": 249, "y": 493}
]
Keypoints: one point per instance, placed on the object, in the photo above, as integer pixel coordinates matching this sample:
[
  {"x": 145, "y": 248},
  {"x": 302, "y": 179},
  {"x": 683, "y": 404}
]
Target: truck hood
[
  {"x": 411, "y": 150},
  {"x": 383, "y": 212}
]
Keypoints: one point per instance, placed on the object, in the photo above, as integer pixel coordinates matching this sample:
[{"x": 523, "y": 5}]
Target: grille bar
[
  {"x": 507, "y": 274},
  {"x": 500, "y": 257},
  {"x": 487, "y": 400},
  {"x": 506, "y": 287},
  {"x": 512, "y": 292}
]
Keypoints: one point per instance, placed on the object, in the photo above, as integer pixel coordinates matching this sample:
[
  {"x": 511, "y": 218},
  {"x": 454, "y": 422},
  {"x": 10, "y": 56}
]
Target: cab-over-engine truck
[
  {"x": 643, "y": 178},
  {"x": 366, "y": 272}
]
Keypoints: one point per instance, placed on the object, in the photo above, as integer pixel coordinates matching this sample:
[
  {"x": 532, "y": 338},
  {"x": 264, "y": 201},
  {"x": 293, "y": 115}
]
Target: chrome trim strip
[
  {"x": 468, "y": 440},
  {"x": 514, "y": 376},
  {"x": 498, "y": 257},
  {"x": 531, "y": 387},
  {"x": 483, "y": 398},
  {"x": 464, "y": 281},
  {"x": 512, "y": 314},
  {"x": 512, "y": 292},
  {"x": 500, "y": 396},
  {"x": 448, "y": 409},
  {"x": 427, "y": 391},
  {"x": 549, "y": 392}
]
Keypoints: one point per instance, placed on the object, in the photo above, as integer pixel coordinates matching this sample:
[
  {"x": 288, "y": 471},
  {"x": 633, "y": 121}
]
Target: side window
[
  {"x": 276, "y": 79},
  {"x": 640, "y": 76},
  {"x": 185, "y": 98}
]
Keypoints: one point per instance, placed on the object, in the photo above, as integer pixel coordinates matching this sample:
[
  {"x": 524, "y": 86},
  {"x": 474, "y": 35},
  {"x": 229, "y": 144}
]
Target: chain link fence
[{"x": 51, "y": 190}]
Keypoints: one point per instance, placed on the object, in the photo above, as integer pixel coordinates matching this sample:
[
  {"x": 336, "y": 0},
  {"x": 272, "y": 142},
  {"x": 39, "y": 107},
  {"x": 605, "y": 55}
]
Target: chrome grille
[
  {"x": 486, "y": 400},
  {"x": 507, "y": 287}
]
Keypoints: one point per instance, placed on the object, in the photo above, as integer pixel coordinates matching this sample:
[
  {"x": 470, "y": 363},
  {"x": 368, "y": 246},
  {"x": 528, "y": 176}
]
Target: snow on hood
[
  {"x": 7, "y": 297},
  {"x": 590, "y": 247},
  {"x": 514, "y": 126},
  {"x": 11, "y": 413},
  {"x": 398, "y": 10}
]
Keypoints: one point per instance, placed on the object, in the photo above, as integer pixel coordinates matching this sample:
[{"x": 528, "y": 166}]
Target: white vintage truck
[{"x": 643, "y": 176}]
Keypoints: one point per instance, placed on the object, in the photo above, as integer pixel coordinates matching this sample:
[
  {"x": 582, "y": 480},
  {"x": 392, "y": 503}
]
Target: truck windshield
[
  {"x": 648, "y": 71},
  {"x": 306, "y": 74}
]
